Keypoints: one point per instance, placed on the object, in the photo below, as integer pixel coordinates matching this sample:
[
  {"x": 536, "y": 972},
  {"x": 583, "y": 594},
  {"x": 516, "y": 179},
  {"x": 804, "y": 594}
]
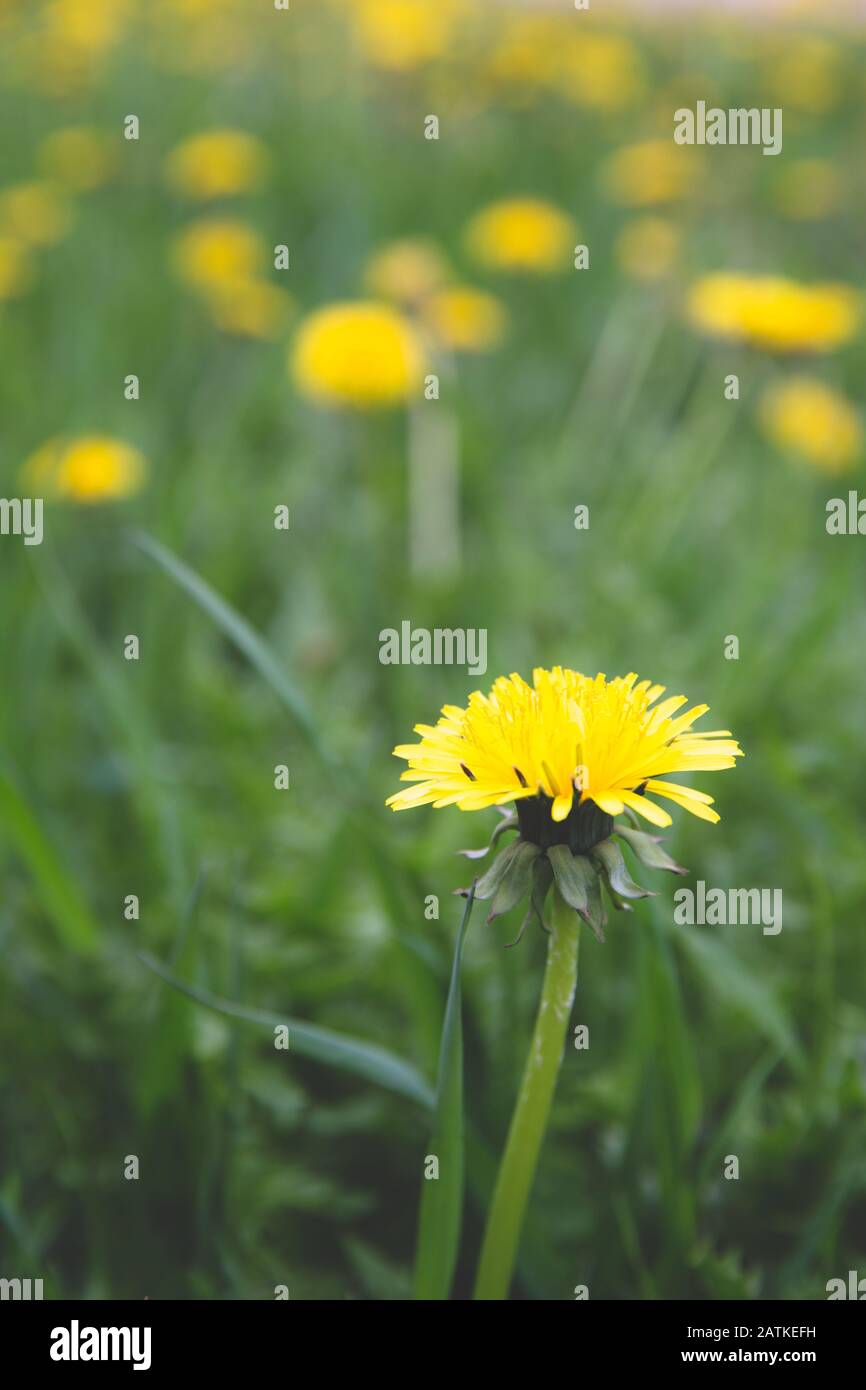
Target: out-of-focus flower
[
  {"x": 773, "y": 313},
  {"x": 803, "y": 74},
  {"x": 217, "y": 251},
  {"x": 648, "y": 248},
  {"x": 250, "y": 308},
  {"x": 600, "y": 71},
  {"x": 64, "y": 49},
  {"x": 92, "y": 468},
  {"x": 80, "y": 157},
  {"x": 37, "y": 213},
  {"x": 406, "y": 271},
  {"x": 809, "y": 190},
  {"x": 201, "y": 35},
  {"x": 650, "y": 172},
  {"x": 522, "y": 235},
  {"x": 808, "y": 418},
  {"x": 362, "y": 354},
  {"x": 217, "y": 164},
  {"x": 527, "y": 54},
  {"x": 16, "y": 270},
  {"x": 465, "y": 319},
  {"x": 404, "y": 34}
]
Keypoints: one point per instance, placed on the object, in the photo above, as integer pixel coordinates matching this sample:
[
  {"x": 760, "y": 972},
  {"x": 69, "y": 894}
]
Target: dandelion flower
[
  {"x": 648, "y": 248},
  {"x": 250, "y": 308},
  {"x": 804, "y": 416},
  {"x": 561, "y": 743},
  {"x": 406, "y": 271},
  {"x": 89, "y": 469},
  {"x": 650, "y": 172},
  {"x": 80, "y": 157},
  {"x": 522, "y": 235},
  {"x": 404, "y": 34},
  {"x": 37, "y": 213},
  {"x": 216, "y": 251},
  {"x": 465, "y": 319},
  {"x": 600, "y": 71},
  {"x": 217, "y": 164},
  {"x": 16, "y": 271},
  {"x": 773, "y": 313},
  {"x": 362, "y": 354}
]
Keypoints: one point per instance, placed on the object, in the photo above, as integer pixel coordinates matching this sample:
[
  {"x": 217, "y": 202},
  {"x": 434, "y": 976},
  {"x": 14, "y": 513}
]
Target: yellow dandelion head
[
  {"x": 250, "y": 308},
  {"x": 465, "y": 319},
  {"x": 522, "y": 234},
  {"x": 89, "y": 469},
  {"x": 806, "y": 417},
  {"x": 37, "y": 213},
  {"x": 565, "y": 740},
  {"x": 361, "y": 354},
  {"x": 648, "y": 248},
  {"x": 773, "y": 313},
  {"x": 404, "y": 34},
  {"x": 217, "y": 164},
  {"x": 600, "y": 71},
  {"x": 406, "y": 271},
  {"x": 80, "y": 157},
  {"x": 16, "y": 268},
  {"x": 650, "y": 172},
  {"x": 217, "y": 251}
]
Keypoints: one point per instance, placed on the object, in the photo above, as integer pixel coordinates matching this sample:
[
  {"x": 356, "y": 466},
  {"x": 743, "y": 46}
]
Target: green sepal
[
  {"x": 578, "y": 885},
  {"x": 489, "y": 882},
  {"x": 648, "y": 850},
  {"x": 516, "y": 881},
  {"x": 608, "y": 857}
]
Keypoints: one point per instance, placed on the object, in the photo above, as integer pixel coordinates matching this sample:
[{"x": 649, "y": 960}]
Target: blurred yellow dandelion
[
  {"x": 774, "y": 313},
  {"x": 650, "y": 172},
  {"x": 360, "y": 353},
  {"x": 648, "y": 248},
  {"x": 522, "y": 235},
  {"x": 89, "y": 469},
  {"x": 465, "y": 319},
  {"x": 215, "y": 251},
  {"x": 404, "y": 34},
  {"x": 600, "y": 71},
  {"x": 217, "y": 164},
  {"x": 406, "y": 271},
  {"x": 16, "y": 269},
  {"x": 806, "y": 417},
  {"x": 81, "y": 157},
  {"x": 38, "y": 213},
  {"x": 250, "y": 308}
]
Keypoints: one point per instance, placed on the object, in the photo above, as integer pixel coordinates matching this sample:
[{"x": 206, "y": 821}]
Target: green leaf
[
  {"x": 608, "y": 856},
  {"x": 442, "y": 1198},
  {"x": 56, "y": 888},
  {"x": 364, "y": 1059}
]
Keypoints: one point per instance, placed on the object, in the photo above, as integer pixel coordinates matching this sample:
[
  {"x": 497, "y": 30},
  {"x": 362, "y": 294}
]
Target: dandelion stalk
[{"x": 529, "y": 1120}]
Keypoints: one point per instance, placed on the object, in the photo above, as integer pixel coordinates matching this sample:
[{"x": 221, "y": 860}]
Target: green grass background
[{"x": 261, "y": 1167}]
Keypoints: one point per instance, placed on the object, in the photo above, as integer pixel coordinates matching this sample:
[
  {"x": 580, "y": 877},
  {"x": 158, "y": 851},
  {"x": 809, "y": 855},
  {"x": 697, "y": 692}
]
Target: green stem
[{"x": 529, "y": 1120}]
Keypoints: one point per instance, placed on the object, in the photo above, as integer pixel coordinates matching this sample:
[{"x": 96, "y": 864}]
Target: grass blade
[
  {"x": 442, "y": 1198},
  {"x": 57, "y": 889},
  {"x": 364, "y": 1059},
  {"x": 238, "y": 631}
]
